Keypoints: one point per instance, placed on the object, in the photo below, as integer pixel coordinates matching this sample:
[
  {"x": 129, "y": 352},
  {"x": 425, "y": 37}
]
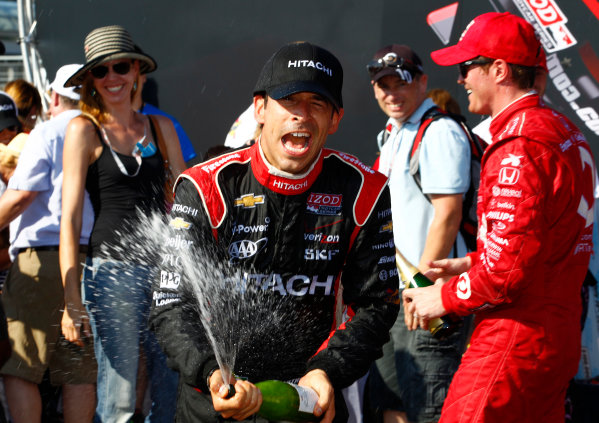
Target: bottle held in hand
[
  {"x": 282, "y": 401},
  {"x": 440, "y": 327}
]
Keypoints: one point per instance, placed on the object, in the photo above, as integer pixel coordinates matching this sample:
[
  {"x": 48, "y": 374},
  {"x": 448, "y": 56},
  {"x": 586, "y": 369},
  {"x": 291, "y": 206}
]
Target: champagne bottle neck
[{"x": 411, "y": 273}]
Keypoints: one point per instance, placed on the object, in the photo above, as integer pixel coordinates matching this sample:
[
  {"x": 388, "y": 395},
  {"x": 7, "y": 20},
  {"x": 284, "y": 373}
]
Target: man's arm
[
  {"x": 12, "y": 203},
  {"x": 443, "y": 229},
  {"x": 445, "y": 176},
  {"x": 173, "y": 318},
  {"x": 370, "y": 288},
  {"x": 427, "y": 302}
]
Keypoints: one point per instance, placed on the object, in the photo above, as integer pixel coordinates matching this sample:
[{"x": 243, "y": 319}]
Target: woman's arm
[{"x": 77, "y": 155}]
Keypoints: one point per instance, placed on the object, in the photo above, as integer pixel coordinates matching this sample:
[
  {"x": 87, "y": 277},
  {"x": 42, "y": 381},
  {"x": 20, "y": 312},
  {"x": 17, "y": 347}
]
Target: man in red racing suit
[{"x": 535, "y": 209}]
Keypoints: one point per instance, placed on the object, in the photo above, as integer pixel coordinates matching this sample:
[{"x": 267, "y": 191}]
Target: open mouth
[
  {"x": 114, "y": 89},
  {"x": 296, "y": 143}
]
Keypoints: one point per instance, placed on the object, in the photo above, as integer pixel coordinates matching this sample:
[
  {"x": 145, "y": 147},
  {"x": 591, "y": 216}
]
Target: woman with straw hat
[{"x": 113, "y": 152}]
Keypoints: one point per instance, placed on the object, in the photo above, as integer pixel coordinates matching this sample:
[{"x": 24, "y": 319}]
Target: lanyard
[{"x": 137, "y": 153}]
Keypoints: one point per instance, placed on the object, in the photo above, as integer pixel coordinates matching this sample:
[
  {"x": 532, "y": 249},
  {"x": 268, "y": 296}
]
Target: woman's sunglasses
[{"x": 121, "y": 68}]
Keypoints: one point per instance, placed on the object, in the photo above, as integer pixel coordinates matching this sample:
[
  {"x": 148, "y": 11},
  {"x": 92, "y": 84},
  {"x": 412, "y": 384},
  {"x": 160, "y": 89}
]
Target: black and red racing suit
[{"x": 321, "y": 243}]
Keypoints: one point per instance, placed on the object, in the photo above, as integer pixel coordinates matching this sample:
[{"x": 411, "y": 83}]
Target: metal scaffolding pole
[{"x": 34, "y": 70}]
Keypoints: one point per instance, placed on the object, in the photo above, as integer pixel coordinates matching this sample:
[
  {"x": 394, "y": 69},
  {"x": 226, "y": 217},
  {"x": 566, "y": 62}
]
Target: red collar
[
  {"x": 502, "y": 121},
  {"x": 281, "y": 184}
]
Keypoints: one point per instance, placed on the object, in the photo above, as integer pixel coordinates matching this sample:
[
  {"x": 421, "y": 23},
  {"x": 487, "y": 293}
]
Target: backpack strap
[
  {"x": 427, "y": 118},
  {"x": 381, "y": 141}
]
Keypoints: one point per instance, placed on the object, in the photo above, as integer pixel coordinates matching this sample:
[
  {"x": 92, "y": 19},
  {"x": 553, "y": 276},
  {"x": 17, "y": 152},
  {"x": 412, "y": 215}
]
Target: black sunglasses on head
[
  {"x": 121, "y": 68},
  {"x": 389, "y": 60},
  {"x": 464, "y": 67}
]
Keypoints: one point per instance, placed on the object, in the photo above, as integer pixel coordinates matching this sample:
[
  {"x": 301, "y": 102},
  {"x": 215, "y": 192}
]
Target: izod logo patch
[
  {"x": 324, "y": 204},
  {"x": 549, "y": 22}
]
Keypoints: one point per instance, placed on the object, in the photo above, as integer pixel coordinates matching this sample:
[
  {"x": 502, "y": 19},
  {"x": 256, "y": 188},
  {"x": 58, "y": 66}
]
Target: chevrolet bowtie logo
[
  {"x": 177, "y": 223},
  {"x": 249, "y": 201},
  {"x": 387, "y": 227}
]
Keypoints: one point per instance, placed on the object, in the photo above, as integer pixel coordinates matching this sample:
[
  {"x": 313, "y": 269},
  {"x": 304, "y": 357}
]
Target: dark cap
[
  {"x": 395, "y": 59},
  {"x": 299, "y": 67},
  {"x": 8, "y": 112}
]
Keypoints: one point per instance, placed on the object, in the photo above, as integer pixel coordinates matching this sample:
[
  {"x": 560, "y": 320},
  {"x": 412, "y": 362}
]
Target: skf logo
[
  {"x": 321, "y": 255},
  {"x": 464, "y": 292},
  {"x": 249, "y": 201},
  {"x": 509, "y": 175},
  {"x": 511, "y": 160},
  {"x": 387, "y": 227},
  {"x": 178, "y": 223}
]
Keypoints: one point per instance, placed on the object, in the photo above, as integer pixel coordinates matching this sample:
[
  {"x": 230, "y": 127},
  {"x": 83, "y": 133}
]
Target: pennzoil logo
[
  {"x": 249, "y": 201},
  {"x": 387, "y": 227},
  {"x": 178, "y": 224}
]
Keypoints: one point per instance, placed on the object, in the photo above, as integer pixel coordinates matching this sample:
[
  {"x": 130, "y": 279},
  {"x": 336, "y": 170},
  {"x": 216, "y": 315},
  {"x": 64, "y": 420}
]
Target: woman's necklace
[{"x": 136, "y": 153}]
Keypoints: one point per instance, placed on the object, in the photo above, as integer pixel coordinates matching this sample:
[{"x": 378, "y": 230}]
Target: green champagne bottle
[
  {"x": 282, "y": 401},
  {"x": 440, "y": 327}
]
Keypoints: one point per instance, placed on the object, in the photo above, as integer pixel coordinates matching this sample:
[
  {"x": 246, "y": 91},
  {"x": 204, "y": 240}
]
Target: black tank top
[{"x": 115, "y": 198}]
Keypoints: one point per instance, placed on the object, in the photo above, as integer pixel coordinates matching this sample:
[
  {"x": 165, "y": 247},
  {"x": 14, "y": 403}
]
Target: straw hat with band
[{"x": 110, "y": 43}]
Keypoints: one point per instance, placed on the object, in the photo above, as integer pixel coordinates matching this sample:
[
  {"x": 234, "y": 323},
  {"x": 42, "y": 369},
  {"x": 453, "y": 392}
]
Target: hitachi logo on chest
[
  {"x": 290, "y": 187},
  {"x": 294, "y": 285},
  {"x": 309, "y": 64}
]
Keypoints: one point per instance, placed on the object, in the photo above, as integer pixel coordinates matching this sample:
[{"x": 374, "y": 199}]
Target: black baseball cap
[
  {"x": 8, "y": 112},
  {"x": 298, "y": 67},
  {"x": 395, "y": 59}
]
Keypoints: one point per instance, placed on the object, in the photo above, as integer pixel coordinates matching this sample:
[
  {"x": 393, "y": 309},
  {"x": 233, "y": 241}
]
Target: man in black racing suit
[{"x": 308, "y": 225}]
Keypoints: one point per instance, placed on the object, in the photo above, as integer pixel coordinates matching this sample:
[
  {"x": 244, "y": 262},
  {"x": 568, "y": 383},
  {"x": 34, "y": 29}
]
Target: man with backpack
[{"x": 426, "y": 203}]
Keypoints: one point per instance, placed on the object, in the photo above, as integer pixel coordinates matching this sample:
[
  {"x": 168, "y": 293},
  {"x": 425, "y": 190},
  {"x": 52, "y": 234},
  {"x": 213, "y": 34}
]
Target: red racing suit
[{"x": 535, "y": 208}]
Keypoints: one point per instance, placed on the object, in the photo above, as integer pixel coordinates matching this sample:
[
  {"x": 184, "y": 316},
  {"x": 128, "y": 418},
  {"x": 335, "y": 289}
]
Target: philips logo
[{"x": 309, "y": 64}]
